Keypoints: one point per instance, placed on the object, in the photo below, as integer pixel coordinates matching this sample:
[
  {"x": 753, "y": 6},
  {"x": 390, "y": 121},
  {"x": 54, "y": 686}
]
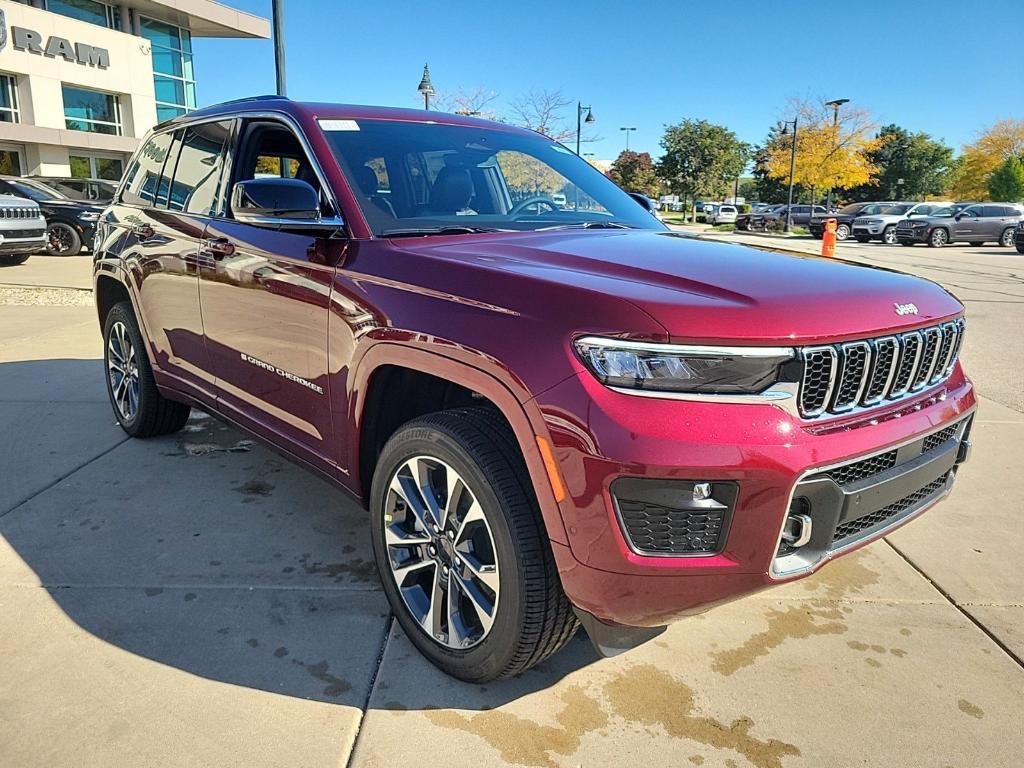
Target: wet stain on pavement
[
  {"x": 335, "y": 685},
  {"x": 649, "y": 696},
  {"x": 525, "y": 742},
  {"x": 972, "y": 710},
  {"x": 357, "y": 569},
  {"x": 255, "y": 487},
  {"x": 153, "y": 591}
]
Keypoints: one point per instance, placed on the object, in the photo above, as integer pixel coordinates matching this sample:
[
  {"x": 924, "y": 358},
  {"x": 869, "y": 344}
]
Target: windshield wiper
[
  {"x": 587, "y": 225},
  {"x": 450, "y": 230}
]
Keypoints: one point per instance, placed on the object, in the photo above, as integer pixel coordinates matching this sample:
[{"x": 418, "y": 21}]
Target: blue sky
[{"x": 948, "y": 68}]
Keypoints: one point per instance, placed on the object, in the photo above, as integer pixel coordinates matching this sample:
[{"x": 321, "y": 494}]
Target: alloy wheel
[
  {"x": 60, "y": 239},
  {"x": 1007, "y": 238},
  {"x": 123, "y": 370},
  {"x": 842, "y": 232},
  {"x": 939, "y": 238},
  {"x": 889, "y": 235},
  {"x": 441, "y": 552}
]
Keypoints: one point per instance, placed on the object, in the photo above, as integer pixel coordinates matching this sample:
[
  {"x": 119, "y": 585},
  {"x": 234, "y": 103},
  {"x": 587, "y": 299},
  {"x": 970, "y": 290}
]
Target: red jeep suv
[{"x": 557, "y": 411}]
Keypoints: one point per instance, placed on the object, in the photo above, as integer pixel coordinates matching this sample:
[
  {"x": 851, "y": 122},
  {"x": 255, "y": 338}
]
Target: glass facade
[
  {"x": 93, "y": 167},
  {"x": 91, "y": 111},
  {"x": 86, "y": 10},
  {"x": 173, "y": 77},
  {"x": 9, "y": 100}
]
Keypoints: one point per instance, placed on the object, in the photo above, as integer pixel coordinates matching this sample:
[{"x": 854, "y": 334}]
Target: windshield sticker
[{"x": 339, "y": 125}]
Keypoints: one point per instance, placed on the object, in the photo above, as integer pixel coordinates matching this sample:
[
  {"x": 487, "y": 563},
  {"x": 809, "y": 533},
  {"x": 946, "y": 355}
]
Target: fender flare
[{"x": 524, "y": 417}]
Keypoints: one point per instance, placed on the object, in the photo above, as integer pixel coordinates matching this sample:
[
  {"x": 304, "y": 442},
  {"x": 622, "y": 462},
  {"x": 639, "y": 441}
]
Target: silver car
[
  {"x": 22, "y": 230},
  {"x": 881, "y": 225}
]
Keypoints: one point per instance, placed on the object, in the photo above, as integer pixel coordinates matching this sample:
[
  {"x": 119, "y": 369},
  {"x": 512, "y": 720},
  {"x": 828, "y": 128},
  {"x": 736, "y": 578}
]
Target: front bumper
[
  {"x": 868, "y": 230},
  {"x": 765, "y": 451},
  {"x": 16, "y": 245},
  {"x": 916, "y": 235}
]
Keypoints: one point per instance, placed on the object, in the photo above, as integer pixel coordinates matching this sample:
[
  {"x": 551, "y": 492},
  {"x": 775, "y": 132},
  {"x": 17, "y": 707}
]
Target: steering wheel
[{"x": 537, "y": 200}]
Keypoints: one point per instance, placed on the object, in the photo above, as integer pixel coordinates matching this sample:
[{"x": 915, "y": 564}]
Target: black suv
[
  {"x": 844, "y": 219},
  {"x": 99, "y": 191},
  {"x": 977, "y": 224},
  {"x": 70, "y": 223},
  {"x": 800, "y": 216}
]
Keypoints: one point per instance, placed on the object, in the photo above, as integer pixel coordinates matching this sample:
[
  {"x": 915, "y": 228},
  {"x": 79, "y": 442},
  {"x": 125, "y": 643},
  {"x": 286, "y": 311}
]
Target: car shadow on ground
[{"x": 203, "y": 550}]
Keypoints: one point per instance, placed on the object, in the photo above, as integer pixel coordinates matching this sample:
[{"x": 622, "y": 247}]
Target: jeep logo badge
[{"x": 905, "y": 309}]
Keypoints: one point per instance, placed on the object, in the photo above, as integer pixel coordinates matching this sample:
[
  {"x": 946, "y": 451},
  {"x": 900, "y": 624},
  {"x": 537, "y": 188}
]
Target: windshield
[
  {"x": 424, "y": 178},
  {"x": 35, "y": 191},
  {"x": 851, "y": 209},
  {"x": 896, "y": 210}
]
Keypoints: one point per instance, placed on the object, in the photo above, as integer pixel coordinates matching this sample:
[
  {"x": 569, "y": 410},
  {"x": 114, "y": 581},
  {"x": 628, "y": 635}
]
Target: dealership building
[{"x": 81, "y": 81}]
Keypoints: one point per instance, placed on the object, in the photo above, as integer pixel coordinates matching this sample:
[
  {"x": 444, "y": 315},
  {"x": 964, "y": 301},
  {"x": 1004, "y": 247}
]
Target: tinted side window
[
  {"x": 143, "y": 178},
  {"x": 197, "y": 175},
  {"x": 991, "y": 211}
]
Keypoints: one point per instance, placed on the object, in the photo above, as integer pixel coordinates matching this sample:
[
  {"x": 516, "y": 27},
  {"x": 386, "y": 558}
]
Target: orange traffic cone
[{"x": 828, "y": 239}]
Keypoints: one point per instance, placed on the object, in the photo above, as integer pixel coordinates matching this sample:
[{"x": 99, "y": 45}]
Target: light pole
[
  {"x": 628, "y": 131},
  {"x": 835, "y": 104},
  {"x": 278, "y": 14},
  {"x": 579, "y": 125},
  {"x": 792, "y": 168},
  {"x": 425, "y": 87}
]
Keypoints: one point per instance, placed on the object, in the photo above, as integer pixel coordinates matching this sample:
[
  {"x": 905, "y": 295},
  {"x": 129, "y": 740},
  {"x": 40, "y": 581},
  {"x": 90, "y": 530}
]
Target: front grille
[
  {"x": 858, "y": 470},
  {"x": 664, "y": 530},
  {"x": 838, "y": 378},
  {"x": 16, "y": 233},
  {"x": 852, "y": 528},
  {"x": 936, "y": 439},
  {"x": 20, "y": 212}
]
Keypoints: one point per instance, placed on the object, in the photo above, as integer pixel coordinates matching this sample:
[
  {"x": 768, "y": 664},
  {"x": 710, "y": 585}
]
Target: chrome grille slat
[{"x": 842, "y": 377}]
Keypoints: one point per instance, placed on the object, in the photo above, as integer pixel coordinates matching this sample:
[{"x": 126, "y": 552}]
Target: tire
[
  {"x": 1006, "y": 239},
  {"x": 1020, "y": 248},
  {"x": 862, "y": 239},
  {"x": 938, "y": 238},
  {"x": 889, "y": 235},
  {"x": 14, "y": 259},
  {"x": 842, "y": 232},
  {"x": 976, "y": 243},
  {"x": 62, "y": 240},
  {"x": 139, "y": 407},
  {"x": 530, "y": 617}
]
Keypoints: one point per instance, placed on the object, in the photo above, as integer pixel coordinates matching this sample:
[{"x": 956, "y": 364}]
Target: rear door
[
  {"x": 159, "y": 248},
  {"x": 265, "y": 296}
]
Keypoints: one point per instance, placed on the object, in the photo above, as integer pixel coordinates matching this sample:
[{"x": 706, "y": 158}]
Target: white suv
[
  {"x": 22, "y": 230},
  {"x": 882, "y": 225},
  {"x": 723, "y": 214}
]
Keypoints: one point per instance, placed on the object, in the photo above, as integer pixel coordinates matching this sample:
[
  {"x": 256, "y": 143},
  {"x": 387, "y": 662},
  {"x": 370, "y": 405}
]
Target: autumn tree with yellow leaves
[
  {"x": 830, "y": 154},
  {"x": 978, "y": 161}
]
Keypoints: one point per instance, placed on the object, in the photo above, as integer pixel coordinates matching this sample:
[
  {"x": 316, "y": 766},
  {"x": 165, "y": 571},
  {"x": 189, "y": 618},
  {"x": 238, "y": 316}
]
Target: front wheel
[
  {"x": 938, "y": 238},
  {"x": 889, "y": 235},
  {"x": 1006, "y": 240},
  {"x": 62, "y": 240},
  {"x": 461, "y": 548},
  {"x": 842, "y": 232},
  {"x": 139, "y": 407}
]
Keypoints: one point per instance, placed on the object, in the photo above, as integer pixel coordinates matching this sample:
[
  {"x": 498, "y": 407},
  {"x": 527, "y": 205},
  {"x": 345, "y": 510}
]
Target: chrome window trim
[{"x": 829, "y": 554}]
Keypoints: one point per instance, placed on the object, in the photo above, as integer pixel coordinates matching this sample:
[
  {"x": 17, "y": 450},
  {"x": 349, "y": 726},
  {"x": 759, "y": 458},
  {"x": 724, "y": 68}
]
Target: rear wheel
[
  {"x": 1006, "y": 240},
  {"x": 889, "y": 235},
  {"x": 938, "y": 238},
  {"x": 461, "y": 548},
  {"x": 62, "y": 240},
  {"x": 842, "y": 232},
  {"x": 13, "y": 259},
  {"x": 139, "y": 407}
]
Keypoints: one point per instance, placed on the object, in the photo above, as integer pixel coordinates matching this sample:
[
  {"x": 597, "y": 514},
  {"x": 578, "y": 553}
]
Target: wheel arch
[{"x": 386, "y": 371}]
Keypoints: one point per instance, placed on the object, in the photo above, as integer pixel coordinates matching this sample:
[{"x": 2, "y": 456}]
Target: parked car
[
  {"x": 881, "y": 224},
  {"x": 977, "y": 224},
  {"x": 755, "y": 218},
  {"x": 723, "y": 214},
  {"x": 70, "y": 223},
  {"x": 555, "y": 417},
  {"x": 99, "y": 191},
  {"x": 22, "y": 230},
  {"x": 844, "y": 219},
  {"x": 1018, "y": 238},
  {"x": 800, "y": 216}
]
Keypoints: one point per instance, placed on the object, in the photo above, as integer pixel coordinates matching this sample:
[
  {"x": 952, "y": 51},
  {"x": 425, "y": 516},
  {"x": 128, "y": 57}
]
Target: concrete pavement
[{"x": 196, "y": 601}]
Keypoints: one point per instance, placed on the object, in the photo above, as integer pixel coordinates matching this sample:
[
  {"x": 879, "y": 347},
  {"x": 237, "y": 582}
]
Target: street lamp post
[
  {"x": 579, "y": 125},
  {"x": 792, "y": 169},
  {"x": 426, "y": 87},
  {"x": 278, "y": 15},
  {"x": 628, "y": 131},
  {"x": 835, "y": 104}
]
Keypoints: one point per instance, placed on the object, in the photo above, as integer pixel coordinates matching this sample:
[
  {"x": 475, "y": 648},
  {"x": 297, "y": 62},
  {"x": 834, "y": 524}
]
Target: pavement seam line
[
  {"x": 65, "y": 476},
  {"x": 967, "y": 614},
  {"x": 388, "y": 625},
  {"x": 211, "y": 587}
]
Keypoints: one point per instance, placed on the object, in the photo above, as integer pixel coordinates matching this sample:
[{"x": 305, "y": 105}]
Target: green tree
[
  {"x": 635, "y": 172},
  {"x": 1006, "y": 184},
  {"x": 925, "y": 165},
  {"x": 701, "y": 158}
]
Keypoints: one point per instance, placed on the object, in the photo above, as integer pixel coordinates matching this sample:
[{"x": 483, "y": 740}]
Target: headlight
[
  {"x": 682, "y": 368},
  {"x": 88, "y": 216}
]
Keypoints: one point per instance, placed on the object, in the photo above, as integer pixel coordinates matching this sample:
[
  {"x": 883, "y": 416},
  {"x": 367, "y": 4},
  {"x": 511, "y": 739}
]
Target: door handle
[{"x": 218, "y": 247}]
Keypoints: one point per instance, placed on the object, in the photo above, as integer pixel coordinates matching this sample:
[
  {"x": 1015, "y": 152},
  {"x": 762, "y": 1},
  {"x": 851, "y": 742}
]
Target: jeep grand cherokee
[{"x": 556, "y": 414}]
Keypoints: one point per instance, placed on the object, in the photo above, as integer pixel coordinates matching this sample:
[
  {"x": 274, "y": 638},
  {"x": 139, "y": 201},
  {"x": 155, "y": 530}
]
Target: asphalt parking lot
[{"x": 197, "y": 601}]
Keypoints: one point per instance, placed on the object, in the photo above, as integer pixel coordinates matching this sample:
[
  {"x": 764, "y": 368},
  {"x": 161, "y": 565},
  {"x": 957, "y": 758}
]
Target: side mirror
[
  {"x": 957, "y": 217},
  {"x": 286, "y": 203},
  {"x": 642, "y": 199}
]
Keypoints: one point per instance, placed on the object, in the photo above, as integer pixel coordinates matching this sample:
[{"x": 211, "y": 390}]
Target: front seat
[
  {"x": 366, "y": 179},
  {"x": 452, "y": 191}
]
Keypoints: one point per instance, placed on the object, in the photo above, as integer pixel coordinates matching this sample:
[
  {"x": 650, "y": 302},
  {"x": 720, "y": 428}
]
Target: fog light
[
  {"x": 797, "y": 530},
  {"x": 701, "y": 491}
]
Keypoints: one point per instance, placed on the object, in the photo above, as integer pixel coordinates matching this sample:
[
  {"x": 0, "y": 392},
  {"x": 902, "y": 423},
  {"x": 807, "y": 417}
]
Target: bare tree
[
  {"x": 468, "y": 101},
  {"x": 543, "y": 111}
]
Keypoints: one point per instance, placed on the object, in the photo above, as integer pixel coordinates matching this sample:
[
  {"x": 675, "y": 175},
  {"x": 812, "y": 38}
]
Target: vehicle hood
[{"x": 698, "y": 290}]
